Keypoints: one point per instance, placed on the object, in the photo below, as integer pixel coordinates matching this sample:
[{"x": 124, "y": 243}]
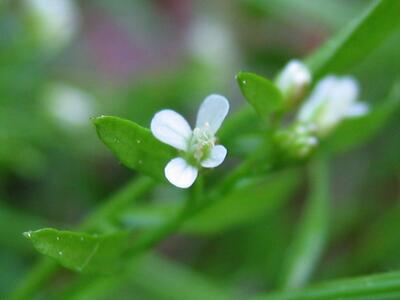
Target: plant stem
[{"x": 311, "y": 236}]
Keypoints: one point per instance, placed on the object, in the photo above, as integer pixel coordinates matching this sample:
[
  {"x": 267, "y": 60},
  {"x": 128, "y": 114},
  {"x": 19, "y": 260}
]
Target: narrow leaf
[
  {"x": 356, "y": 40},
  {"x": 80, "y": 251},
  {"x": 248, "y": 202},
  {"x": 261, "y": 93},
  {"x": 134, "y": 145},
  {"x": 376, "y": 287}
]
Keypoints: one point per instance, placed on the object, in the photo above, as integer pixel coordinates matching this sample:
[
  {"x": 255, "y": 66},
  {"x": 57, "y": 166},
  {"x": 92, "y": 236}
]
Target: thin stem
[
  {"x": 190, "y": 207},
  {"x": 311, "y": 236}
]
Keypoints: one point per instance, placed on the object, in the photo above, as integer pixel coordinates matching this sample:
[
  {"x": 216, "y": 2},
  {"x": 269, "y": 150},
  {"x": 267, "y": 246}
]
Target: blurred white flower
[
  {"x": 294, "y": 80},
  {"x": 198, "y": 145},
  {"x": 69, "y": 105},
  {"x": 333, "y": 99},
  {"x": 54, "y": 21},
  {"x": 211, "y": 41}
]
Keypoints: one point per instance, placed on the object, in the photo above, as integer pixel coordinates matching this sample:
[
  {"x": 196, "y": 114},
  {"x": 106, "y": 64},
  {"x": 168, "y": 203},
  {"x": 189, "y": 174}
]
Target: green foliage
[
  {"x": 311, "y": 237},
  {"x": 79, "y": 251},
  {"x": 254, "y": 199},
  {"x": 134, "y": 145},
  {"x": 244, "y": 214},
  {"x": 251, "y": 200},
  {"x": 377, "y": 287},
  {"x": 357, "y": 40},
  {"x": 261, "y": 93}
]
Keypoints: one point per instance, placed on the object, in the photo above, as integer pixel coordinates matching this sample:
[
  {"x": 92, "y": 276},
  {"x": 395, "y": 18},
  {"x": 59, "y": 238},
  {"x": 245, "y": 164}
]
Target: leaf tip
[
  {"x": 27, "y": 234},
  {"x": 240, "y": 76},
  {"x": 95, "y": 120}
]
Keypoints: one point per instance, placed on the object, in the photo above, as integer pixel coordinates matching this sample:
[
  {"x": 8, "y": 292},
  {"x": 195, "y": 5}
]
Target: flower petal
[
  {"x": 321, "y": 93},
  {"x": 171, "y": 128},
  {"x": 180, "y": 173},
  {"x": 217, "y": 156},
  {"x": 213, "y": 111},
  {"x": 358, "y": 109}
]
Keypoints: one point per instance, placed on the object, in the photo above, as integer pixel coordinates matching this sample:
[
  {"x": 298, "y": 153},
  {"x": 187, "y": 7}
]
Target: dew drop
[
  {"x": 60, "y": 253},
  {"x": 244, "y": 81},
  {"x": 138, "y": 141},
  {"x": 58, "y": 238},
  {"x": 140, "y": 162},
  {"x": 82, "y": 239}
]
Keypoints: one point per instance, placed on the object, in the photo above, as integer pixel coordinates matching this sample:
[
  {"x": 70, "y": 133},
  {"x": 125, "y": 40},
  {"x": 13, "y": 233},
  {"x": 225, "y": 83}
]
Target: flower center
[{"x": 201, "y": 142}]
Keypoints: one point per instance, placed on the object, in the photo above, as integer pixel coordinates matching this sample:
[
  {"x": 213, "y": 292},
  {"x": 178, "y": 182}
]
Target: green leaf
[
  {"x": 261, "y": 93},
  {"x": 374, "y": 287},
  {"x": 250, "y": 201},
  {"x": 356, "y": 40},
  {"x": 80, "y": 251},
  {"x": 155, "y": 275},
  {"x": 134, "y": 145},
  {"x": 356, "y": 131},
  {"x": 310, "y": 237}
]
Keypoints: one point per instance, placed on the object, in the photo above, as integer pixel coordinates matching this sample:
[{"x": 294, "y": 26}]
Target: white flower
[
  {"x": 54, "y": 21},
  {"x": 69, "y": 105},
  {"x": 294, "y": 79},
  {"x": 333, "y": 99},
  {"x": 198, "y": 145},
  {"x": 211, "y": 41}
]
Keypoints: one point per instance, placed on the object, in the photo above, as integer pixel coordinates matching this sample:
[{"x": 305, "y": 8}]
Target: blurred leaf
[
  {"x": 310, "y": 237},
  {"x": 356, "y": 131},
  {"x": 356, "y": 40},
  {"x": 156, "y": 276},
  {"x": 373, "y": 287},
  {"x": 261, "y": 93},
  {"x": 80, "y": 251},
  {"x": 322, "y": 12},
  {"x": 134, "y": 145},
  {"x": 254, "y": 199},
  {"x": 378, "y": 244},
  {"x": 160, "y": 277}
]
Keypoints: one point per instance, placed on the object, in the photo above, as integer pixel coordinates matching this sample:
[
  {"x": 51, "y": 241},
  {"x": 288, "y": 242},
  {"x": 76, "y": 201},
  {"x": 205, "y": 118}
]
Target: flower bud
[
  {"x": 297, "y": 141},
  {"x": 294, "y": 80}
]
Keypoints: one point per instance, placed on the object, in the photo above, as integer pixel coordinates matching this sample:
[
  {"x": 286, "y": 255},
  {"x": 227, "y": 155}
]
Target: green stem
[
  {"x": 311, "y": 236},
  {"x": 190, "y": 207}
]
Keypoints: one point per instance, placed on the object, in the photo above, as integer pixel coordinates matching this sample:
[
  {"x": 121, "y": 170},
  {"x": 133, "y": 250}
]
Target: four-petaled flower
[
  {"x": 333, "y": 99},
  {"x": 198, "y": 146}
]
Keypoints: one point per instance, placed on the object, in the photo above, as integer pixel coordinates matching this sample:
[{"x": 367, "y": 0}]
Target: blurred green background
[{"x": 133, "y": 58}]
